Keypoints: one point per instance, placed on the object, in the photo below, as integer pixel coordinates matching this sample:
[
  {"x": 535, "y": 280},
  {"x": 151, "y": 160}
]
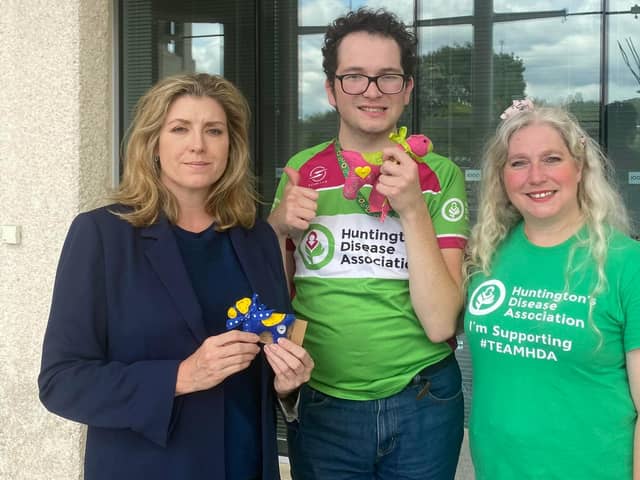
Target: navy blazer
[{"x": 123, "y": 317}]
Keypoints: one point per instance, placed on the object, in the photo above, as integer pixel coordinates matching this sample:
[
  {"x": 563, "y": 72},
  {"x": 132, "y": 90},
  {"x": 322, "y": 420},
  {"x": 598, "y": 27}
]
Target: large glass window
[
  {"x": 190, "y": 46},
  {"x": 161, "y": 38},
  {"x": 318, "y": 120},
  {"x": 475, "y": 56},
  {"x": 252, "y": 43},
  {"x": 622, "y": 108},
  {"x": 474, "y": 63},
  {"x": 444, "y": 87}
]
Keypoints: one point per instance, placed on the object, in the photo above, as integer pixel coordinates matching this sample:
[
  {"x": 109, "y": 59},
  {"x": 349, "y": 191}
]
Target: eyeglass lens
[{"x": 356, "y": 84}]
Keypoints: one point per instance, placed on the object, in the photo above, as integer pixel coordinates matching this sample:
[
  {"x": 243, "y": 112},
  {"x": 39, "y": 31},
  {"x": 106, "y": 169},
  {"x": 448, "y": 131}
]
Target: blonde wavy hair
[
  {"x": 601, "y": 206},
  {"x": 231, "y": 200}
]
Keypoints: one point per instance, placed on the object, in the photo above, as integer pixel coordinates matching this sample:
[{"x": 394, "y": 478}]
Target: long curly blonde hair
[
  {"x": 231, "y": 200},
  {"x": 601, "y": 206}
]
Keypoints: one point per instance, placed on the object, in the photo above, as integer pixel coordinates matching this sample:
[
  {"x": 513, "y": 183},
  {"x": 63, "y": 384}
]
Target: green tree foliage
[
  {"x": 318, "y": 128},
  {"x": 446, "y": 79},
  {"x": 446, "y": 84}
]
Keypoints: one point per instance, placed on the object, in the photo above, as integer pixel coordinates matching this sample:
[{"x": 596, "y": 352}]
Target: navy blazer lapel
[{"x": 165, "y": 258}]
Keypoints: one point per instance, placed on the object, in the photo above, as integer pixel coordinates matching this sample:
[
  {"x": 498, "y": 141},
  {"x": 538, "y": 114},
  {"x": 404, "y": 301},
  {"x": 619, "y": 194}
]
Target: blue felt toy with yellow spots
[{"x": 255, "y": 317}]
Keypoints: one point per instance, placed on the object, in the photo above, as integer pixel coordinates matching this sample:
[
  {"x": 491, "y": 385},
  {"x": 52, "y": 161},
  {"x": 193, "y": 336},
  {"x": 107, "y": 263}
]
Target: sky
[{"x": 208, "y": 51}]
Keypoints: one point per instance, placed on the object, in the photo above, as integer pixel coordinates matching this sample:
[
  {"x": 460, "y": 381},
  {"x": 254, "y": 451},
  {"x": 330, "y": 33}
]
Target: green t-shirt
[
  {"x": 351, "y": 280},
  {"x": 551, "y": 397}
]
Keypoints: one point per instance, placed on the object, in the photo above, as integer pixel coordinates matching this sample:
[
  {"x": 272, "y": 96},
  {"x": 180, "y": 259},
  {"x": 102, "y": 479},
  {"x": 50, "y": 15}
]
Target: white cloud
[
  {"x": 321, "y": 12},
  {"x": 504, "y": 6},
  {"x": 620, "y": 92},
  {"x": 433, "y": 38},
  {"x": 561, "y": 58},
  {"x": 311, "y": 97},
  {"x": 429, "y": 9},
  {"x": 208, "y": 54},
  {"x": 559, "y": 93},
  {"x": 403, "y": 9}
]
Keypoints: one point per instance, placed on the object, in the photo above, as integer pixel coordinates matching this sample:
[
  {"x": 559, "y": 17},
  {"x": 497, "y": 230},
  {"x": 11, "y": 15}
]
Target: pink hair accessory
[{"x": 516, "y": 107}]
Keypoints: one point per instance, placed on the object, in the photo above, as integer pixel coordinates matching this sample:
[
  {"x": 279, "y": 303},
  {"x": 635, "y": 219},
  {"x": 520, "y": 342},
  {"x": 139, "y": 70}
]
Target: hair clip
[{"x": 516, "y": 107}]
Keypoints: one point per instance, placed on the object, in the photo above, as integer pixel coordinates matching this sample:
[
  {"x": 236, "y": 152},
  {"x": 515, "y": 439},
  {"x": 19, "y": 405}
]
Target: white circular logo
[
  {"x": 453, "y": 210},
  {"x": 318, "y": 174},
  {"x": 317, "y": 246},
  {"x": 487, "y": 297}
]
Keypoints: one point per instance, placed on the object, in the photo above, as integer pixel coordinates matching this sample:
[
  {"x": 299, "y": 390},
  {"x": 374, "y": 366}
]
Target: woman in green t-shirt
[{"x": 553, "y": 307}]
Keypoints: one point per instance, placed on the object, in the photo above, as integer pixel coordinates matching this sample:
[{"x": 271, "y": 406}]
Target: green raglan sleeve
[
  {"x": 449, "y": 208},
  {"x": 284, "y": 179}
]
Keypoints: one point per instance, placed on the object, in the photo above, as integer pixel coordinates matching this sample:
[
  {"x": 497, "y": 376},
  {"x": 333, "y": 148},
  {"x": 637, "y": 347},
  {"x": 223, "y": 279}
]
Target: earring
[{"x": 156, "y": 161}]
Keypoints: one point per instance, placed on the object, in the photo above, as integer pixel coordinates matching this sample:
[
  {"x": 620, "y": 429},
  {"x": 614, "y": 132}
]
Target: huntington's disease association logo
[
  {"x": 316, "y": 247},
  {"x": 453, "y": 210},
  {"x": 487, "y": 297}
]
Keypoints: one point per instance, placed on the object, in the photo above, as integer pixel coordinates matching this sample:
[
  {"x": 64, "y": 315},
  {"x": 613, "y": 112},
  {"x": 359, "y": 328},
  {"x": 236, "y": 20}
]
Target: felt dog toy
[
  {"x": 365, "y": 169},
  {"x": 253, "y": 316}
]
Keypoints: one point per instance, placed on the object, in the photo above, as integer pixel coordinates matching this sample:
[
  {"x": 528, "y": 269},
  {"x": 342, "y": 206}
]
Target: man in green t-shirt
[{"x": 381, "y": 293}]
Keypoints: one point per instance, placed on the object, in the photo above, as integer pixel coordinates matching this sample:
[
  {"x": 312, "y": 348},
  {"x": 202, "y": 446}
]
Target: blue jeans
[{"x": 414, "y": 434}]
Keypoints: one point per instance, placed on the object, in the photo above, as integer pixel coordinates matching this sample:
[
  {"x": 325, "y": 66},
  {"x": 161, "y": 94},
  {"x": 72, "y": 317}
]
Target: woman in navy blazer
[{"x": 136, "y": 346}]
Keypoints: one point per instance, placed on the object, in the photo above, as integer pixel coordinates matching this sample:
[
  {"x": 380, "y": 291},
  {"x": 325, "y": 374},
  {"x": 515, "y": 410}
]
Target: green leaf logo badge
[
  {"x": 316, "y": 247},
  {"x": 487, "y": 297},
  {"x": 453, "y": 210}
]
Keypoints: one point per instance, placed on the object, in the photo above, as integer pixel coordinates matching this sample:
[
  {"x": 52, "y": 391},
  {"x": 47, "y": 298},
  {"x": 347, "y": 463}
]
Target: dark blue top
[{"x": 218, "y": 282}]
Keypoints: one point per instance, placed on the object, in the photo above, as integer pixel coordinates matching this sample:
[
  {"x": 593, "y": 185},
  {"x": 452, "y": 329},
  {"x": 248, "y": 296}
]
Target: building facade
[{"x": 73, "y": 70}]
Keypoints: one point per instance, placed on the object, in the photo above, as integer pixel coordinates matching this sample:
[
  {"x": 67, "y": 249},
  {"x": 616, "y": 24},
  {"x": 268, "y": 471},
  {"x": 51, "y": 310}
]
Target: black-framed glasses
[{"x": 357, "y": 83}]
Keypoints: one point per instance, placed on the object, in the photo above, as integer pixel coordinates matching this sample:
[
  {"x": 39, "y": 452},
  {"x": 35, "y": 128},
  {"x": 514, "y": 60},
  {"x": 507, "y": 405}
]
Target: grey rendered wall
[{"x": 55, "y": 160}]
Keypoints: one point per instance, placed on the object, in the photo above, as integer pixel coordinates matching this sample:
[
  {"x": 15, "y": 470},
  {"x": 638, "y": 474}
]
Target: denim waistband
[{"x": 434, "y": 367}]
